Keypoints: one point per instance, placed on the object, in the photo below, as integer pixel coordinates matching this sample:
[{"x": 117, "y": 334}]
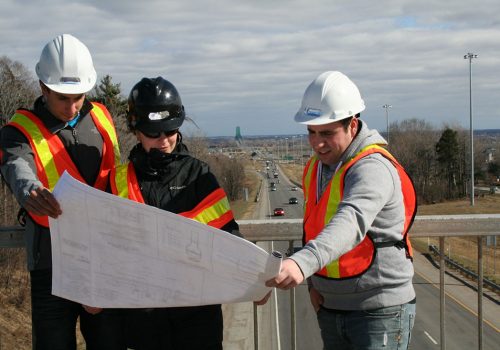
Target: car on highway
[
  {"x": 294, "y": 188},
  {"x": 293, "y": 200},
  {"x": 274, "y": 188},
  {"x": 279, "y": 212}
]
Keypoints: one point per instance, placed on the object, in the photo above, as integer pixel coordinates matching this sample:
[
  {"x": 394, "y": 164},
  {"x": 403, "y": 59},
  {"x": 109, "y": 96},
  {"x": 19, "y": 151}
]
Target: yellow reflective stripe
[
  {"x": 370, "y": 147},
  {"x": 333, "y": 269},
  {"x": 334, "y": 195},
  {"x": 307, "y": 178},
  {"x": 121, "y": 180},
  {"x": 108, "y": 126},
  {"x": 42, "y": 148},
  {"x": 213, "y": 212}
]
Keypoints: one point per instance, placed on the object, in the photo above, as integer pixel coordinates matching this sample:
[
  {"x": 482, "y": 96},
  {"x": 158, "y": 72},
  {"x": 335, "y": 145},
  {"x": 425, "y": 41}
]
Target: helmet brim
[
  {"x": 71, "y": 88},
  {"x": 165, "y": 125},
  {"x": 303, "y": 118}
]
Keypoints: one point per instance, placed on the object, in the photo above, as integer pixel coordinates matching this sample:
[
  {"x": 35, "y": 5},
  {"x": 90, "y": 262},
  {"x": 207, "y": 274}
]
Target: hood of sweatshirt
[{"x": 365, "y": 137}]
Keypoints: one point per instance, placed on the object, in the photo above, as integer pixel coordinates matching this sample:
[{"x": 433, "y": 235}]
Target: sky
[{"x": 248, "y": 63}]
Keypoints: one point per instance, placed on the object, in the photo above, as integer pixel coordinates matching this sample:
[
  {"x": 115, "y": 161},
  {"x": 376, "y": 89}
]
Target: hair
[{"x": 347, "y": 121}]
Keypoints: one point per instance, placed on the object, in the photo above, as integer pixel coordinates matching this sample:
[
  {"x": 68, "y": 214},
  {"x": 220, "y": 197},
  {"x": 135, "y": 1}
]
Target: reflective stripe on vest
[
  {"x": 213, "y": 210},
  {"x": 105, "y": 125},
  {"x": 51, "y": 157},
  {"x": 319, "y": 213}
]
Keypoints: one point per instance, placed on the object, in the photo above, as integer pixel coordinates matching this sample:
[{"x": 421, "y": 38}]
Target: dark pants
[
  {"x": 54, "y": 319},
  {"x": 182, "y": 328},
  {"x": 108, "y": 331}
]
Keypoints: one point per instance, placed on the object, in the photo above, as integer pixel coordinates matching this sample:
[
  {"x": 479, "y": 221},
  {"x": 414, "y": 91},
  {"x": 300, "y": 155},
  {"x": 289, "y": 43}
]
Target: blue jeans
[{"x": 387, "y": 328}]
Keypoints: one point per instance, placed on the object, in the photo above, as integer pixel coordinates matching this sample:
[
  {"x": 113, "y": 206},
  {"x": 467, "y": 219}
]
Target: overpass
[{"x": 251, "y": 327}]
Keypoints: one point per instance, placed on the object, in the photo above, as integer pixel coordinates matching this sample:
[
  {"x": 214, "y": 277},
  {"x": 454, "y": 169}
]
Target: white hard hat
[
  {"x": 66, "y": 66},
  {"x": 329, "y": 98}
]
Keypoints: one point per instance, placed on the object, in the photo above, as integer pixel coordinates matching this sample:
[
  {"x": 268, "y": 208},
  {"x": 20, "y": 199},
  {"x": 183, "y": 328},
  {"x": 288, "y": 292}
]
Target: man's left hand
[
  {"x": 263, "y": 300},
  {"x": 92, "y": 310},
  {"x": 290, "y": 276}
]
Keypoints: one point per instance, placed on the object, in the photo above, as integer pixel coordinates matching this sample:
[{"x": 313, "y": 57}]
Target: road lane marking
[
  {"x": 431, "y": 338},
  {"x": 437, "y": 286}
]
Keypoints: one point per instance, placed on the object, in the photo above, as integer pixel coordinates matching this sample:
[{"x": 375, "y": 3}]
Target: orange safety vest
[
  {"x": 319, "y": 213},
  {"x": 213, "y": 210},
  {"x": 51, "y": 157}
]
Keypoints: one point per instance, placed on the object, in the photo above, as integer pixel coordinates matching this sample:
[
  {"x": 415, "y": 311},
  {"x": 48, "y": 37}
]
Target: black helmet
[{"x": 155, "y": 105}]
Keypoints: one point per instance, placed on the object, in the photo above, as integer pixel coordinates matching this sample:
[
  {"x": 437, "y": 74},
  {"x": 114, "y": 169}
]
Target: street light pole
[
  {"x": 470, "y": 56},
  {"x": 387, "y": 106},
  {"x": 286, "y": 148}
]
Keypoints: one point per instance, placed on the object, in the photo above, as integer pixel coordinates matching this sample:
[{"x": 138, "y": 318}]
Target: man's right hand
[{"x": 42, "y": 202}]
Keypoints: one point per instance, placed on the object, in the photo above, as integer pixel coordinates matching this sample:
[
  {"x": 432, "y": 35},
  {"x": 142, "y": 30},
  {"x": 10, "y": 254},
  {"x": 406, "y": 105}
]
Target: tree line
[{"x": 437, "y": 159}]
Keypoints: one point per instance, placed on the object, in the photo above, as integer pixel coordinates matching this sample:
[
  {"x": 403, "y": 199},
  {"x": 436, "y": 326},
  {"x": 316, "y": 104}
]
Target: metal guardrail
[
  {"x": 441, "y": 226},
  {"x": 495, "y": 287},
  {"x": 290, "y": 230},
  {"x": 11, "y": 236}
]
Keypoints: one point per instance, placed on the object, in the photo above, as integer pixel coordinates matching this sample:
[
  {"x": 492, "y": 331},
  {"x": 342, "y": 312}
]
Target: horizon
[{"x": 250, "y": 64}]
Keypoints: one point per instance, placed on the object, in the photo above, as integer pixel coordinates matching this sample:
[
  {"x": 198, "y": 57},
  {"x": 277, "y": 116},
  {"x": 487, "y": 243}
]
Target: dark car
[
  {"x": 279, "y": 212},
  {"x": 293, "y": 200}
]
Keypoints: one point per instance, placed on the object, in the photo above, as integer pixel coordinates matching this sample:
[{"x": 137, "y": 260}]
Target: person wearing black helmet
[{"x": 161, "y": 173}]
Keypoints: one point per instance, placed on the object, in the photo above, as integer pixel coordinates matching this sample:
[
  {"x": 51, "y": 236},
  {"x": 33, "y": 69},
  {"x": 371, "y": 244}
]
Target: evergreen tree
[
  {"x": 447, "y": 150},
  {"x": 109, "y": 94}
]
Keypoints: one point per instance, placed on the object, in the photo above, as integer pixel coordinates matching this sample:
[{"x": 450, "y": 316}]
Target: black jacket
[
  {"x": 84, "y": 145},
  {"x": 175, "y": 182}
]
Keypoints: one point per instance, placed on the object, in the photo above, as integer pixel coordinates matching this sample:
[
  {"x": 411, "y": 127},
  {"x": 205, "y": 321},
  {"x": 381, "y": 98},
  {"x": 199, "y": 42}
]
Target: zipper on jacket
[{"x": 75, "y": 134}]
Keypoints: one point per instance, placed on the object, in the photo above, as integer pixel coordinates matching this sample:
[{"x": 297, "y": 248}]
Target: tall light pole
[
  {"x": 470, "y": 56},
  {"x": 386, "y": 106},
  {"x": 286, "y": 148}
]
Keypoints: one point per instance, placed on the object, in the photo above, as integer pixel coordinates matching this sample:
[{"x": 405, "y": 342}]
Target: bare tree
[
  {"x": 197, "y": 145},
  {"x": 18, "y": 88},
  {"x": 228, "y": 171},
  {"x": 412, "y": 143}
]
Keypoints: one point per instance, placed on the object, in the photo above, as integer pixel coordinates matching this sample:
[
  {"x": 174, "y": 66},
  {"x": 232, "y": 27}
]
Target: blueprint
[{"x": 112, "y": 252}]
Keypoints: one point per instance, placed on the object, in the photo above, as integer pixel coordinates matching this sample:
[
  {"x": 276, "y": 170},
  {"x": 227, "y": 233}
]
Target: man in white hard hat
[
  {"x": 359, "y": 205},
  {"x": 63, "y": 132}
]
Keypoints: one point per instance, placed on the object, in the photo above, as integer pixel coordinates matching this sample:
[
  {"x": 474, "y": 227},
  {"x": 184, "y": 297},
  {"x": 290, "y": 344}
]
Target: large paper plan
[{"x": 112, "y": 252}]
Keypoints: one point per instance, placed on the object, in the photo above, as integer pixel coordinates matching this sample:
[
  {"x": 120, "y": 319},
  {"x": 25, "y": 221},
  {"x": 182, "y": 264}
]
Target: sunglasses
[{"x": 156, "y": 135}]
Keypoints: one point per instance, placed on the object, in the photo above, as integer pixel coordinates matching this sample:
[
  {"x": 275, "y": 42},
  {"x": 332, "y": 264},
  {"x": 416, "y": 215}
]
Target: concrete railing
[{"x": 290, "y": 230}]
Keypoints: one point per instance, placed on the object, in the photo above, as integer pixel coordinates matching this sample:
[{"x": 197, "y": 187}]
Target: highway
[{"x": 461, "y": 321}]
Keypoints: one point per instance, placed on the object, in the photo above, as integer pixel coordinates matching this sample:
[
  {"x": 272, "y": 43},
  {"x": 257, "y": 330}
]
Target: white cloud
[{"x": 247, "y": 63}]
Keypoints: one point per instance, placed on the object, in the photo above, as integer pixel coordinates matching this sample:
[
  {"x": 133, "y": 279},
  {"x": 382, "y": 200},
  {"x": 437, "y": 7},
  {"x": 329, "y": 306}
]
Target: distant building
[
  {"x": 489, "y": 152},
  {"x": 238, "y": 136}
]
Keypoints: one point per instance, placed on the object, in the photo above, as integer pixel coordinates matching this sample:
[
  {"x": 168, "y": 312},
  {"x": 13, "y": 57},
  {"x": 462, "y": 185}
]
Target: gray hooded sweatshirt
[{"x": 373, "y": 204}]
